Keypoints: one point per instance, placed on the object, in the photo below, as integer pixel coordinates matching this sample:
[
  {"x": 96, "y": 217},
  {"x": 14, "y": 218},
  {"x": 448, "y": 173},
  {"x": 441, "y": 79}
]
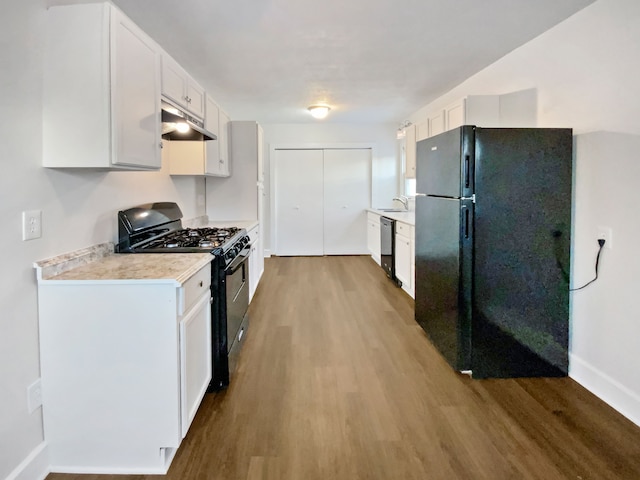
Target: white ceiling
[{"x": 370, "y": 60}]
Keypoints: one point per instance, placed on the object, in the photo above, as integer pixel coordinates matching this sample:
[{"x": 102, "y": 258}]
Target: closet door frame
[{"x": 310, "y": 146}]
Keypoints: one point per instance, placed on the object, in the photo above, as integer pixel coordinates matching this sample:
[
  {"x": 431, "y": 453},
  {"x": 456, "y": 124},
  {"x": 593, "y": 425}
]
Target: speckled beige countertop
[
  {"x": 100, "y": 264},
  {"x": 246, "y": 224},
  {"x": 408, "y": 217},
  {"x": 204, "y": 221}
]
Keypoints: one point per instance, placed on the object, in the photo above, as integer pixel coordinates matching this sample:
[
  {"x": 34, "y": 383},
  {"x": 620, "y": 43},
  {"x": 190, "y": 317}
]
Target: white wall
[
  {"x": 381, "y": 137},
  {"x": 78, "y": 210},
  {"x": 585, "y": 72}
]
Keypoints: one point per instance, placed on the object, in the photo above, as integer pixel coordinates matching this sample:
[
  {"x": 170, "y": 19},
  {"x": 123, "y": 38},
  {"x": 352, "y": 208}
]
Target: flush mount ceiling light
[{"x": 319, "y": 111}]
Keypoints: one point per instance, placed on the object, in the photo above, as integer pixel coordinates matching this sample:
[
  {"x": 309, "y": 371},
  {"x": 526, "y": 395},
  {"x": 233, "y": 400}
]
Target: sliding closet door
[
  {"x": 347, "y": 193},
  {"x": 298, "y": 190}
]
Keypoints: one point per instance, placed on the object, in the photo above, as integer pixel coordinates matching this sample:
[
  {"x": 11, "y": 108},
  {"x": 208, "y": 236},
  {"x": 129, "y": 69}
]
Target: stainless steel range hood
[{"x": 175, "y": 119}]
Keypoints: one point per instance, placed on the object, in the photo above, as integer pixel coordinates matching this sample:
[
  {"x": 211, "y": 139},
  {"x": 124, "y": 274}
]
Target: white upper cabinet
[
  {"x": 213, "y": 163},
  {"x": 101, "y": 91},
  {"x": 454, "y": 115},
  {"x": 202, "y": 158},
  {"x": 422, "y": 131},
  {"x": 211, "y": 117},
  {"x": 410, "y": 151},
  {"x": 179, "y": 87},
  {"x": 437, "y": 123},
  {"x": 224, "y": 158},
  {"x": 480, "y": 110}
]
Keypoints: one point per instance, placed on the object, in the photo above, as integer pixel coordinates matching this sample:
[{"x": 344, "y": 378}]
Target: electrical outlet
[
  {"x": 34, "y": 396},
  {"x": 606, "y": 234},
  {"x": 31, "y": 224}
]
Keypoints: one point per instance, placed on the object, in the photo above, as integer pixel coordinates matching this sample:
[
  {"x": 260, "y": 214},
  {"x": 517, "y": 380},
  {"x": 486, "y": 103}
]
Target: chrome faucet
[{"x": 403, "y": 200}]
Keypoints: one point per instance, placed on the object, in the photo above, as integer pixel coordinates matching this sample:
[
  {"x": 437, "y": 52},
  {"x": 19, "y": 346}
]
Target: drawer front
[
  {"x": 372, "y": 217},
  {"x": 254, "y": 234},
  {"x": 195, "y": 287},
  {"x": 403, "y": 229}
]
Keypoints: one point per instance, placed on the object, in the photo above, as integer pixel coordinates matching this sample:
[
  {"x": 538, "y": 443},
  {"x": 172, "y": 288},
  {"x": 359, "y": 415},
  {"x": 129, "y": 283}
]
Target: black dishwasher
[{"x": 388, "y": 248}]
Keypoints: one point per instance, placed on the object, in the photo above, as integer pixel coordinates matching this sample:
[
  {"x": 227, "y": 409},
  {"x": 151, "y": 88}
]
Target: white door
[
  {"x": 347, "y": 195},
  {"x": 298, "y": 202}
]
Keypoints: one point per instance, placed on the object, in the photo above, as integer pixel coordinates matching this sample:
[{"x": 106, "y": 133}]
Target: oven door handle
[{"x": 237, "y": 262}]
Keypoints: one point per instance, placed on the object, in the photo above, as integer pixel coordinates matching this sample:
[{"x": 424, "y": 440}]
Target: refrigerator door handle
[
  {"x": 466, "y": 222},
  {"x": 467, "y": 179}
]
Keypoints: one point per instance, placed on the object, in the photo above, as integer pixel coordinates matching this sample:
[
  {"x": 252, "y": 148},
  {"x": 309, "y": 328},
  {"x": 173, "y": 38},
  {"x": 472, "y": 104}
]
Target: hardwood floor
[{"x": 337, "y": 381}]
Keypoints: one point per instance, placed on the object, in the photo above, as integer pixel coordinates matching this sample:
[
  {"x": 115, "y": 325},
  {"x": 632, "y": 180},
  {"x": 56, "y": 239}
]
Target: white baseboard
[
  {"x": 34, "y": 467},
  {"x": 266, "y": 253},
  {"x": 606, "y": 388}
]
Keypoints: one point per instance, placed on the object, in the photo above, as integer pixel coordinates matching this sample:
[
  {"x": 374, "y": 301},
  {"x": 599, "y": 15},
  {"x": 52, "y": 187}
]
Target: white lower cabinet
[
  {"x": 195, "y": 359},
  {"x": 373, "y": 236},
  {"x": 256, "y": 260},
  {"x": 125, "y": 365},
  {"x": 404, "y": 256}
]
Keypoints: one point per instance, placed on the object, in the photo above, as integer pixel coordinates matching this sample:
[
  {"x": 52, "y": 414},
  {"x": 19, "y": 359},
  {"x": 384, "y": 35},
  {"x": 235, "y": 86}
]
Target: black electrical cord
[{"x": 601, "y": 243}]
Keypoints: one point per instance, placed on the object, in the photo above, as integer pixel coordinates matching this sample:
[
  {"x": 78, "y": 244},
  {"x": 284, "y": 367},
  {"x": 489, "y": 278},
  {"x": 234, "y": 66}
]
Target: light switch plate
[{"x": 31, "y": 224}]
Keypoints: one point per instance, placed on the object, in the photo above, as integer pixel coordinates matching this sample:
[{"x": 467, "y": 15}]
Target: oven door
[{"x": 237, "y": 292}]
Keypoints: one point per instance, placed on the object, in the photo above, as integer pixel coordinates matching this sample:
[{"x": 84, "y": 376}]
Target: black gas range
[{"x": 157, "y": 228}]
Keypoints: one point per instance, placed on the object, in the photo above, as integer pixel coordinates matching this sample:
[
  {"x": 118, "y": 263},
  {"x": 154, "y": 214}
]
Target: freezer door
[
  {"x": 444, "y": 239},
  {"x": 445, "y": 164},
  {"x": 522, "y": 252}
]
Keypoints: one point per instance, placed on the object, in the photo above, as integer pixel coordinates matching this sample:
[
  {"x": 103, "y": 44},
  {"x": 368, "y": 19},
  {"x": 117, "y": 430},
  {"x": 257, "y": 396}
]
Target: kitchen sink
[{"x": 392, "y": 210}]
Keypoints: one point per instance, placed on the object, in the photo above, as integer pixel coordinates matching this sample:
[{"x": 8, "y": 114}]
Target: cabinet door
[
  {"x": 373, "y": 238},
  {"x": 195, "y": 98},
  {"x": 421, "y": 131},
  {"x": 174, "y": 81},
  {"x": 135, "y": 95},
  {"x": 212, "y": 147},
  {"x": 259, "y": 270},
  {"x": 212, "y": 116},
  {"x": 436, "y": 123},
  {"x": 403, "y": 260},
  {"x": 455, "y": 115},
  {"x": 253, "y": 266},
  {"x": 256, "y": 263},
  {"x": 347, "y": 195},
  {"x": 410, "y": 152},
  {"x": 298, "y": 193},
  {"x": 224, "y": 168},
  {"x": 195, "y": 359}
]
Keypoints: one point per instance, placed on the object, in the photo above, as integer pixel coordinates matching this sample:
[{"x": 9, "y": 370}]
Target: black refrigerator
[{"x": 492, "y": 251}]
